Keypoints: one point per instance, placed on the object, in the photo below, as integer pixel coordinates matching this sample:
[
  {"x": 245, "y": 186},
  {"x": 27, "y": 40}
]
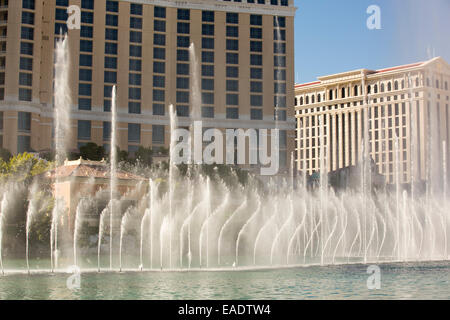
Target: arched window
[
  {"x": 301, "y": 101},
  {"x": 307, "y": 100},
  {"x": 417, "y": 81},
  {"x": 375, "y": 88},
  {"x": 382, "y": 87},
  {"x": 318, "y": 97},
  {"x": 343, "y": 93},
  {"x": 296, "y": 101},
  {"x": 396, "y": 85},
  {"x": 389, "y": 86},
  {"x": 313, "y": 99},
  {"x": 368, "y": 89},
  {"x": 355, "y": 91},
  {"x": 331, "y": 95}
]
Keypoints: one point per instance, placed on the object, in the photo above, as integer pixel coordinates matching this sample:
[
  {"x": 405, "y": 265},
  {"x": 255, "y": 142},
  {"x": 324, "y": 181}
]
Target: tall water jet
[
  {"x": 113, "y": 182},
  {"x": 123, "y": 228},
  {"x": 30, "y": 217},
  {"x": 3, "y": 206},
  {"x": 195, "y": 85},
  {"x": 101, "y": 228},
  {"x": 172, "y": 168},
  {"x": 62, "y": 105},
  {"x": 141, "y": 245}
]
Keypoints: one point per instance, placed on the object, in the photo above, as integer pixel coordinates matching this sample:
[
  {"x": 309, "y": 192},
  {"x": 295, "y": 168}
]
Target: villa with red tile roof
[{"x": 406, "y": 105}]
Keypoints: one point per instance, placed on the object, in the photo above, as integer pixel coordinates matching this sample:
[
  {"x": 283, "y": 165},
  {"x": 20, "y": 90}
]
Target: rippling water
[{"x": 398, "y": 281}]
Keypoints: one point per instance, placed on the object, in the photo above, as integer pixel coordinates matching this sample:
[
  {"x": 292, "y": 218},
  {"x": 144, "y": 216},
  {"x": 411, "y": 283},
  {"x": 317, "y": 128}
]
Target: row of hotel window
[{"x": 356, "y": 91}]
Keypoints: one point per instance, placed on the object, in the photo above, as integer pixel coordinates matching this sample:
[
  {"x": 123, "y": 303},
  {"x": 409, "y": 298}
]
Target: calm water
[{"x": 398, "y": 281}]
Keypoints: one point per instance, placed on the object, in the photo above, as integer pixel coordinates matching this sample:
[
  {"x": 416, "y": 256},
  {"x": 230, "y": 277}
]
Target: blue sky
[{"x": 331, "y": 35}]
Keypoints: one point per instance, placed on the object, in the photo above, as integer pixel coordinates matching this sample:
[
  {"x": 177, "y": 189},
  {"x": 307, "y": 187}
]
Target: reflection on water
[{"x": 398, "y": 281}]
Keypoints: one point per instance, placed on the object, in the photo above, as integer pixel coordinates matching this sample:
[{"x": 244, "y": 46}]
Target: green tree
[
  {"x": 91, "y": 151},
  {"x": 23, "y": 167}
]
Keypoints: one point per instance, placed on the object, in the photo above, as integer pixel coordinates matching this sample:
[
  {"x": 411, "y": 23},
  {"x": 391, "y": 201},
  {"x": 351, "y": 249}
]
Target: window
[
  {"x": 110, "y": 63},
  {"x": 87, "y": 4},
  {"x": 84, "y": 129},
  {"x": 28, "y": 4},
  {"x": 106, "y": 130},
  {"x": 232, "y": 31},
  {"x": 134, "y": 79},
  {"x": 159, "y": 39},
  {"x": 159, "y": 67},
  {"x": 62, "y": 3},
  {"x": 232, "y": 72},
  {"x": 256, "y": 33},
  {"x": 134, "y": 132},
  {"x": 107, "y": 105},
  {"x": 27, "y": 33},
  {"x": 279, "y": 22},
  {"x": 159, "y": 53},
  {"x": 136, "y": 9},
  {"x": 255, "y": 20},
  {"x": 27, "y": 17},
  {"x": 111, "y": 34},
  {"x": 256, "y": 86},
  {"x": 107, "y": 91},
  {"x": 208, "y": 56},
  {"x": 183, "y": 83},
  {"x": 134, "y": 107},
  {"x": 24, "y": 121},
  {"x": 256, "y": 100},
  {"x": 256, "y": 114},
  {"x": 182, "y": 96},
  {"x": 281, "y": 88},
  {"x": 135, "y": 51},
  {"x": 135, "y": 23},
  {"x": 158, "y": 134},
  {"x": 135, "y": 65},
  {"x": 232, "y": 44},
  {"x": 182, "y": 55},
  {"x": 26, "y": 48},
  {"x": 84, "y": 89},
  {"x": 233, "y": 85},
  {"x": 24, "y": 94},
  {"x": 183, "y": 41},
  {"x": 279, "y": 61},
  {"x": 232, "y": 58},
  {"x": 256, "y": 60},
  {"x": 85, "y": 45},
  {"x": 26, "y": 64},
  {"x": 134, "y": 93},
  {"x": 232, "y": 113},
  {"x": 25, "y": 79},
  {"x": 182, "y": 68},
  {"x": 135, "y": 36},
  {"x": 183, "y": 27},
  {"x": 60, "y": 28},
  {"x": 207, "y": 84},
  {"x": 207, "y": 71},
  {"x": 112, "y": 6},
  {"x": 208, "y": 29},
  {"x": 207, "y": 98},
  {"x": 158, "y": 109},
  {"x": 232, "y": 18},
  {"x": 159, "y": 25},
  {"x": 183, "y": 111},
  {"x": 112, "y": 20},
  {"x": 87, "y": 17},
  {"x": 160, "y": 12},
  {"x": 23, "y": 144},
  {"x": 208, "y": 16},
  {"x": 256, "y": 46},
  {"x": 279, "y": 47},
  {"x": 279, "y": 35},
  {"x": 110, "y": 77},
  {"x": 158, "y": 95},
  {"x": 85, "y": 75},
  {"x": 84, "y": 104},
  {"x": 232, "y": 99},
  {"x": 256, "y": 73},
  {"x": 86, "y": 32},
  {"x": 208, "y": 43},
  {"x": 207, "y": 112},
  {"x": 184, "y": 14}
]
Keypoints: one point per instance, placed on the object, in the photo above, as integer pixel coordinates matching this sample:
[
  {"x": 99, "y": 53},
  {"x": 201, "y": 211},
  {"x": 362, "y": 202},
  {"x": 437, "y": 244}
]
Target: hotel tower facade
[
  {"x": 244, "y": 52},
  {"x": 405, "y": 106}
]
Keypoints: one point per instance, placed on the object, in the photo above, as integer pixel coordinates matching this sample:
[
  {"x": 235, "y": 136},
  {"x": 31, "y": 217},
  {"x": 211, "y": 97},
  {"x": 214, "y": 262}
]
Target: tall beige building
[
  {"x": 406, "y": 106},
  {"x": 244, "y": 51}
]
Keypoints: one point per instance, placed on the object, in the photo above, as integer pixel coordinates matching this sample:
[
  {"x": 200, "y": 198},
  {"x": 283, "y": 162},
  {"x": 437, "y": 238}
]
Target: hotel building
[
  {"x": 406, "y": 106},
  {"x": 244, "y": 51}
]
